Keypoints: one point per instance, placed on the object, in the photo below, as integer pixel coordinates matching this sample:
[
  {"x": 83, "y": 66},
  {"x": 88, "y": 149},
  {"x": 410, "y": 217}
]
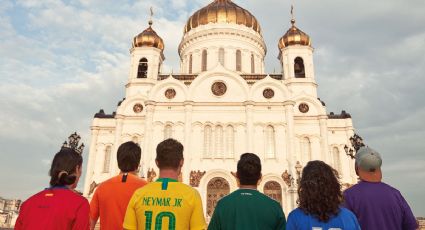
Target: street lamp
[
  {"x": 298, "y": 168},
  {"x": 356, "y": 142}
]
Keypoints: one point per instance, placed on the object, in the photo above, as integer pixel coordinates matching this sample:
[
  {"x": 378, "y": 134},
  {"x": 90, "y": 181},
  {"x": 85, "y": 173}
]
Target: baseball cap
[{"x": 368, "y": 159}]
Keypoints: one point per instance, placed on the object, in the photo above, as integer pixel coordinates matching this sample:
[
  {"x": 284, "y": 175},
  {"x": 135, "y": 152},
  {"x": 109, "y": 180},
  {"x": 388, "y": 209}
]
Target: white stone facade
[{"x": 216, "y": 129}]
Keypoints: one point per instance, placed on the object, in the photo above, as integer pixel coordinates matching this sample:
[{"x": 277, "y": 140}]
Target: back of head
[
  {"x": 319, "y": 191},
  {"x": 63, "y": 169},
  {"x": 169, "y": 153},
  {"x": 249, "y": 169},
  {"x": 128, "y": 156},
  {"x": 368, "y": 160}
]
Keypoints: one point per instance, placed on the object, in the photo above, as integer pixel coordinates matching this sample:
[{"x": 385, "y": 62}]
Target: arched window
[
  {"x": 168, "y": 132},
  {"x": 190, "y": 63},
  {"x": 217, "y": 188},
  {"x": 207, "y": 141},
  {"x": 230, "y": 141},
  {"x": 142, "y": 70},
  {"x": 219, "y": 141},
  {"x": 337, "y": 161},
  {"x": 204, "y": 60},
  {"x": 107, "y": 159},
  {"x": 270, "y": 142},
  {"x": 252, "y": 64},
  {"x": 306, "y": 149},
  {"x": 238, "y": 60},
  {"x": 299, "y": 67},
  {"x": 221, "y": 56},
  {"x": 273, "y": 190}
]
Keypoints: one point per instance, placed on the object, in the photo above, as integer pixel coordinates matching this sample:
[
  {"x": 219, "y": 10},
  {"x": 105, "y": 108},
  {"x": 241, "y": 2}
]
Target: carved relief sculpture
[
  {"x": 303, "y": 107},
  {"x": 137, "y": 108},
  {"x": 93, "y": 185},
  {"x": 195, "y": 177},
  {"x": 170, "y": 93},
  {"x": 268, "y": 93},
  {"x": 219, "y": 88},
  {"x": 151, "y": 175},
  {"x": 287, "y": 178}
]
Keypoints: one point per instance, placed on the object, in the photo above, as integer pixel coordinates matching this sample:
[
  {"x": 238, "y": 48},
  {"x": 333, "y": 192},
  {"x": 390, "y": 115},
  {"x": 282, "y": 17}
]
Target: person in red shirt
[
  {"x": 59, "y": 206},
  {"x": 111, "y": 198}
]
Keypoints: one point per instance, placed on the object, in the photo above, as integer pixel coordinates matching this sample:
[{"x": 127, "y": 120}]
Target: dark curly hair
[{"x": 319, "y": 191}]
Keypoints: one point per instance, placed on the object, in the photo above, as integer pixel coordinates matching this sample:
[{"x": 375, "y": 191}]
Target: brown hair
[
  {"x": 62, "y": 171},
  {"x": 128, "y": 156},
  {"x": 169, "y": 153},
  {"x": 249, "y": 169},
  {"x": 319, "y": 191}
]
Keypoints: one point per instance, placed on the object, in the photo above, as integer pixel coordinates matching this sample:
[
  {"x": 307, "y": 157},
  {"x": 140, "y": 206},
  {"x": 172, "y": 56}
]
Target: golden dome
[
  {"x": 294, "y": 36},
  {"x": 222, "y": 11},
  {"x": 148, "y": 38}
]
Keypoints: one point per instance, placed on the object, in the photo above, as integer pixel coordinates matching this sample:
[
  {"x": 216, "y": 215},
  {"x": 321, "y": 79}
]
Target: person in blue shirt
[{"x": 319, "y": 202}]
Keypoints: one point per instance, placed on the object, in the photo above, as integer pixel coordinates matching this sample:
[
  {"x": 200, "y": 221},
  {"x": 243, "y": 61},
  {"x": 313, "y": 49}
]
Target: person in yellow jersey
[{"x": 166, "y": 203}]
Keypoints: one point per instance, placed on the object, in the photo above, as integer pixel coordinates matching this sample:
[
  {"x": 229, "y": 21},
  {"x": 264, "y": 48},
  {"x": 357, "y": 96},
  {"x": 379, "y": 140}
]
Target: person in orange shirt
[{"x": 111, "y": 198}]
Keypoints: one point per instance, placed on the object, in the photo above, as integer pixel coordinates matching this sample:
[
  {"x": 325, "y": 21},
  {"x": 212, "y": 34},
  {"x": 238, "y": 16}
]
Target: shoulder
[
  {"x": 296, "y": 214},
  {"x": 346, "y": 212},
  {"x": 389, "y": 187},
  {"x": 270, "y": 200},
  {"x": 106, "y": 183},
  {"x": 134, "y": 179},
  {"x": 75, "y": 196},
  {"x": 34, "y": 198},
  {"x": 186, "y": 188}
]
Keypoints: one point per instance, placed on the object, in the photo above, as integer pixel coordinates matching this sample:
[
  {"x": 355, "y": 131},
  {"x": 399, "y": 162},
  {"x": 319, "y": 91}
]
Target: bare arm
[{"x": 92, "y": 223}]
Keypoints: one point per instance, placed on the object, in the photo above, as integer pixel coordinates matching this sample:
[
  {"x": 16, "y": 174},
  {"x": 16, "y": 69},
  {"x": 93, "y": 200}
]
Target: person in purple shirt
[{"x": 376, "y": 204}]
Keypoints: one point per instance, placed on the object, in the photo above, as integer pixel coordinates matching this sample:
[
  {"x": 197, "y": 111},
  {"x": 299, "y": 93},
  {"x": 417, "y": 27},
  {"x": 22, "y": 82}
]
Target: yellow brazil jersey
[{"x": 165, "y": 204}]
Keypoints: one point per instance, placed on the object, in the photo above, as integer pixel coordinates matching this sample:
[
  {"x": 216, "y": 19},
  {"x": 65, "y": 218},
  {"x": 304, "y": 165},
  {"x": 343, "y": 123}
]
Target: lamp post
[
  {"x": 356, "y": 142},
  {"x": 298, "y": 168}
]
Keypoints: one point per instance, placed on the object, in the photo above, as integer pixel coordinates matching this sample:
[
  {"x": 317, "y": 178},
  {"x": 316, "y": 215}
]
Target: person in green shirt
[{"x": 247, "y": 208}]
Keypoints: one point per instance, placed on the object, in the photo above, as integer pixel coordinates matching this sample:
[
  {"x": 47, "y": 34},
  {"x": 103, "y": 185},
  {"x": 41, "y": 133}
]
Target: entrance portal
[
  {"x": 273, "y": 190},
  {"x": 217, "y": 188}
]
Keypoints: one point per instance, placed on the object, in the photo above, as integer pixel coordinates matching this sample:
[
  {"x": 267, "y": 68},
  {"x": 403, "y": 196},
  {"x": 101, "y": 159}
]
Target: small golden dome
[
  {"x": 222, "y": 11},
  {"x": 294, "y": 36},
  {"x": 148, "y": 38}
]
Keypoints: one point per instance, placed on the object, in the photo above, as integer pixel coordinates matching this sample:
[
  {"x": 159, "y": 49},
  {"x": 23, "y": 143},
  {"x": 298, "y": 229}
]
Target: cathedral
[{"x": 222, "y": 103}]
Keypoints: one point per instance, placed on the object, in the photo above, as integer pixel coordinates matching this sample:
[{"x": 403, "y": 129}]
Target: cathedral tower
[{"x": 296, "y": 58}]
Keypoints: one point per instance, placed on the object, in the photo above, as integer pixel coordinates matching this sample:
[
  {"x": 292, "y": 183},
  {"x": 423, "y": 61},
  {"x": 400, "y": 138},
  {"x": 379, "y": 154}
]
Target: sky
[{"x": 63, "y": 60}]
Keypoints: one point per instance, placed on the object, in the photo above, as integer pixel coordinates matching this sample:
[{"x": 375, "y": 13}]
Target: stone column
[
  {"x": 118, "y": 133},
  {"x": 188, "y": 108},
  {"x": 148, "y": 156},
  {"x": 249, "y": 107},
  {"x": 293, "y": 197},
  {"x": 324, "y": 146},
  {"x": 290, "y": 137},
  {"x": 91, "y": 160}
]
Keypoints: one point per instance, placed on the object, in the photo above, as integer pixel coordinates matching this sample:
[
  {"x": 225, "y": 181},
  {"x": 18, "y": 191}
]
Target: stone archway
[
  {"x": 273, "y": 190},
  {"x": 217, "y": 188}
]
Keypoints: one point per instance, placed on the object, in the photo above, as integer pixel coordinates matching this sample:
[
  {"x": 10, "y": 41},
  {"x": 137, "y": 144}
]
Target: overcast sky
[{"x": 61, "y": 61}]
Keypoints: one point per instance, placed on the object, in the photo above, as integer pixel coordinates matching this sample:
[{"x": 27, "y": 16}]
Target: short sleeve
[
  {"x": 20, "y": 221},
  {"x": 82, "y": 216},
  {"x": 355, "y": 221},
  {"x": 94, "y": 206},
  {"x": 346, "y": 203},
  {"x": 281, "y": 219},
  {"x": 130, "y": 219},
  {"x": 197, "y": 220},
  {"x": 292, "y": 222},
  {"x": 215, "y": 219},
  {"x": 409, "y": 220}
]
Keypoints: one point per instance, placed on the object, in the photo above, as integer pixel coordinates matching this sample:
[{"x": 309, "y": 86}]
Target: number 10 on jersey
[{"x": 158, "y": 220}]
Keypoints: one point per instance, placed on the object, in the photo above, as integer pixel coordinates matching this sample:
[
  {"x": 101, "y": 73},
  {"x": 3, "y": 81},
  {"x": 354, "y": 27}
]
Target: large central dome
[{"x": 222, "y": 11}]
